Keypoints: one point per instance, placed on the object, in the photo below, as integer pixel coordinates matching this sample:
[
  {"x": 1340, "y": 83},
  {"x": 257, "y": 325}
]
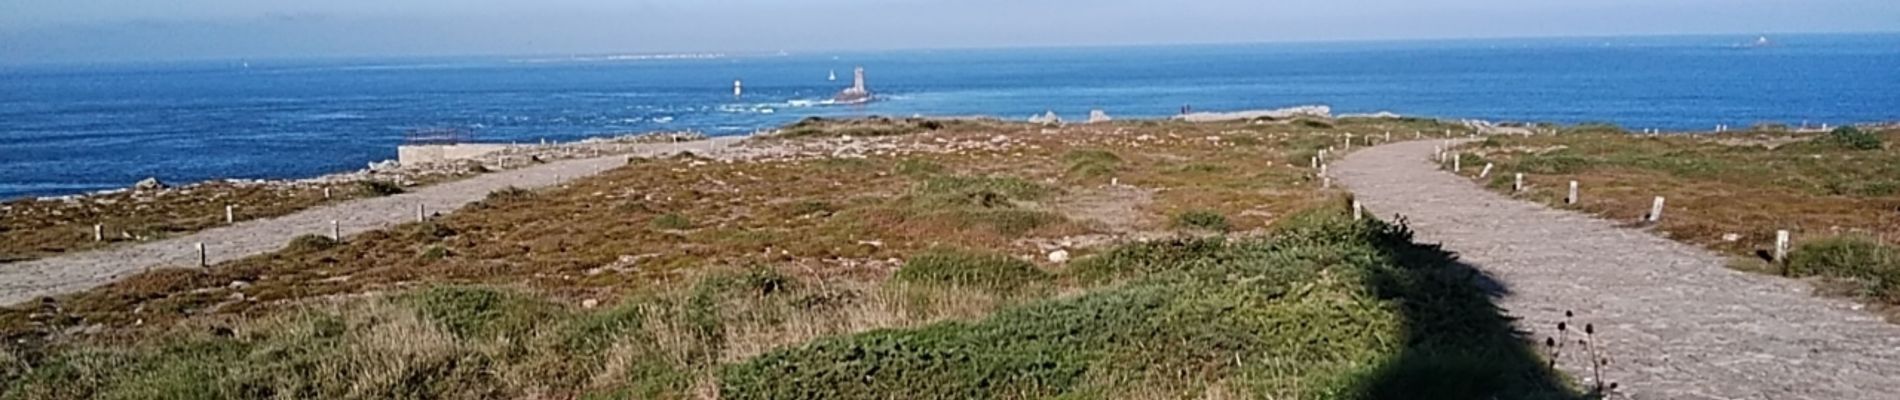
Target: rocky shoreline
[{"x": 391, "y": 171}]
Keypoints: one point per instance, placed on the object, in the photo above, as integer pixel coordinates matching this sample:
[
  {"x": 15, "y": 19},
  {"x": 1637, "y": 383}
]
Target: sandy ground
[
  {"x": 80, "y": 271},
  {"x": 1674, "y": 322}
]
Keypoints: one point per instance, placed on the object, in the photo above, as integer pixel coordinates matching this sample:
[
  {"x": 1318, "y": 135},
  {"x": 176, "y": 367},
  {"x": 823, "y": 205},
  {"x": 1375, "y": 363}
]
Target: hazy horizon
[{"x": 110, "y": 31}]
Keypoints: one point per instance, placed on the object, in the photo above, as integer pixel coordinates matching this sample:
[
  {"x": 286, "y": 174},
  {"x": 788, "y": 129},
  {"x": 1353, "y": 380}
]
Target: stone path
[
  {"x": 80, "y": 271},
  {"x": 1676, "y": 323}
]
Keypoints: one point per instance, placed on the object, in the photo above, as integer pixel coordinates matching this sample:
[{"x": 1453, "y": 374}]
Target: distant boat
[
  {"x": 1762, "y": 42},
  {"x": 834, "y": 75}
]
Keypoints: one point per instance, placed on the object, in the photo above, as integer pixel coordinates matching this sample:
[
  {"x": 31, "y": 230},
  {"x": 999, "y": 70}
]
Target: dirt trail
[
  {"x": 80, "y": 271},
  {"x": 1675, "y": 322}
]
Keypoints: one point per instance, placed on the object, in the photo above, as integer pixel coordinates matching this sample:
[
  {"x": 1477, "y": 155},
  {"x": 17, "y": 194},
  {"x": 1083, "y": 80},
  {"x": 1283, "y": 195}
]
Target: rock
[
  {"x": 1048, "y": 118},
  {"x": 151, "y": 183},
  {"x": 999, "y": 139},
  {"x": 590, "y": 303},
  {"x": 385, "y": 166},
  {"x": 236, "y": 285},
  {"x": 1059, "y": 256},
  {"x": 1098, "y": 116},
  {"x": 1731, "y": 237},
  {"x": 1283, "y": 113}
]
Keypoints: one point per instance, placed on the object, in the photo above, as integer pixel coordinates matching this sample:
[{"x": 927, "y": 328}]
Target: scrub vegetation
[{"x": 923, "y": 274}]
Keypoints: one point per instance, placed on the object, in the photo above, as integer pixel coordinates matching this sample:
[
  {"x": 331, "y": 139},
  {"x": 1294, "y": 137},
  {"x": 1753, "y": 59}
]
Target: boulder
[
  {"x": 151, "y": 183},
  {"x": 385, "y": 166},
  {"x": 1048, "y": 118},
  {"x": 1098, "y": 116}
]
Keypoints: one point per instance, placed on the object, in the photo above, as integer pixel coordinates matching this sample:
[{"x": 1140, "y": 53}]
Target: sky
[{"x": 69, "y": 31}]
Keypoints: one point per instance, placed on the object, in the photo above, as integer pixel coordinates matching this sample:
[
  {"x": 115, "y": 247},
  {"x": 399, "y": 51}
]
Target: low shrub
[
  {"x": 966, "y": 268},
  {"x": 1142, "y": 259},
  {"x": 989, "y": 192},
  {"x": 915, "y": 167},
  {"x": 1091, "y": 162},
  {"x": 1207, "y": 220},
  {"x": 1357, "y": 312},
  {"x": 379, "y": 188},
  {"x": 1874, "y": 265},
  {"x": 510, "y": 193},
  {"x": 1854, "y": 138},
  {"x": 309, "y": 244}
]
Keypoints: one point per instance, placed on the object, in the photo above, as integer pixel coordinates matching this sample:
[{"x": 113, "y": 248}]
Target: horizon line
[{"x": 760, "y": 52}]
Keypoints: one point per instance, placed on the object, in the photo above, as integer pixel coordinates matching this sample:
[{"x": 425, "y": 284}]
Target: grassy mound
[{"x": 1330, "y": 309}]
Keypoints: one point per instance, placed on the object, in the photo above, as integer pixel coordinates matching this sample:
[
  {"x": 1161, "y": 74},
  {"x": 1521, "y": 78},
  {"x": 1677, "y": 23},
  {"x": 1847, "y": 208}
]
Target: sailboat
[
  {"x": 1761, "y": 42},
  {"x": 834, "y": 75}
]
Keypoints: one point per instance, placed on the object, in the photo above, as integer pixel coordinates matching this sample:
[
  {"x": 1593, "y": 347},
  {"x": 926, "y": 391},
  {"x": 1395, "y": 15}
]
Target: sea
[{"x": 67, "y": 129}]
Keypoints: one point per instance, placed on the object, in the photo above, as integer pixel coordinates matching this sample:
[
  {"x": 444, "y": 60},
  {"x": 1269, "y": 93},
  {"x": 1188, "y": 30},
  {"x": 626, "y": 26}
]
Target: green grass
[
  {"x": 1331, "y": 309},
  {"x": 671, "y": 221}
]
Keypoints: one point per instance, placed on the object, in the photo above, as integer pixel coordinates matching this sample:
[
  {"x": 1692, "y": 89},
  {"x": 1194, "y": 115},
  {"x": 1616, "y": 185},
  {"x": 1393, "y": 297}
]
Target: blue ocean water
[{"x": 70, "y": 129}]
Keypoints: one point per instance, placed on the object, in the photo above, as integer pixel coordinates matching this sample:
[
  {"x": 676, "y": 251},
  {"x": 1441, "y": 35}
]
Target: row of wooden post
[
  {"x": 1574, "y": 196},
  {"x": 336, "y": 232}
]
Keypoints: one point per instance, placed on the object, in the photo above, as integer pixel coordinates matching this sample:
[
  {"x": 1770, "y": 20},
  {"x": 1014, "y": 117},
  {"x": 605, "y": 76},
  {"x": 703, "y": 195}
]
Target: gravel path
[
  {"x": 80, "y": 271},
  {"x": 1675, "y": 322}
]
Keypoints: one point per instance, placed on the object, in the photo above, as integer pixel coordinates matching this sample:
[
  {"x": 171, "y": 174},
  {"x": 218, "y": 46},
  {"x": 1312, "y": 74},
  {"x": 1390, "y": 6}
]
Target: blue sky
[{"x": 37, "y": 31}]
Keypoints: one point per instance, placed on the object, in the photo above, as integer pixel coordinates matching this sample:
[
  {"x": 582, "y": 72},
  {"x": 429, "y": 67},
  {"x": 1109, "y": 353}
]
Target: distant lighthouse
[{"x": 857, "y": 93}]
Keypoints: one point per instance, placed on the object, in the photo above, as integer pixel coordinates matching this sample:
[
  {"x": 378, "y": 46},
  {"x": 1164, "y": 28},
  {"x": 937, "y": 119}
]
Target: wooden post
[
  {"x": 1322, "y": 169},
  {"x": 1781, "y": 246},
  {"x": 1486, "y": 173},
  {"x": 1572, "y": 198},
  {"x": 326, "y": 192},
  {"x": 1388, "y": 136},
  {"x": 421, "y": 214},
  {"x": 1314, "y": 163},
  {"x": 98, "y": 232},
  {"x": 1349, "y": 142},
  {"x": 1517, "y": 184},
  {"x": 1457, "y": 163},
  {"x": 1325, "y": 182},
  {"x": 1418, "y": 135},
  {"x": 203, "y": 261},
  {"x": 230, "y": 214},
  {"x": 1655, "y": 210},
  {"x": 1358, "y": 210},
  {"x": 1114, "y": 182},
  {"x": 336, "y": 231}
]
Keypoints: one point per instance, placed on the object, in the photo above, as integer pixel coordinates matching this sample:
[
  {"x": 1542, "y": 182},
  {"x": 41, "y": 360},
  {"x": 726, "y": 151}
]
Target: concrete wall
[{"x": 435, "y": 153}]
